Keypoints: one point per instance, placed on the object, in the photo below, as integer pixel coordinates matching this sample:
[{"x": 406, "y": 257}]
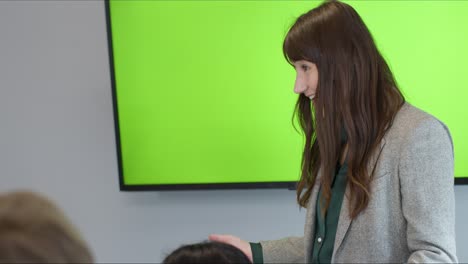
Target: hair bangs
[{"x": 296, "y": 47}]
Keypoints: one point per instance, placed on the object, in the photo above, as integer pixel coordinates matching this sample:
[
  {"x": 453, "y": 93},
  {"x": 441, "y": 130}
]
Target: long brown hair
[{"x": 356, "y": 92}]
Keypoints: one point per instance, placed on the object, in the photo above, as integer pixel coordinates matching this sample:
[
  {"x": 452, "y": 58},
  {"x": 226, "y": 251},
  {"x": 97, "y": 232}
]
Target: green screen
[{"x": 204, "y": 94}]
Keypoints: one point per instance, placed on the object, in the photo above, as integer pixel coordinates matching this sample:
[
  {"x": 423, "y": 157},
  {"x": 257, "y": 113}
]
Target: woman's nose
[{"x": 299, "y": 88}]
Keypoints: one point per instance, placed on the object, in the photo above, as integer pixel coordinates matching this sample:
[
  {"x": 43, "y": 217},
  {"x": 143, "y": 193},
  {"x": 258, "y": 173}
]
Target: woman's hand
[{"x": 242, "y": 245}]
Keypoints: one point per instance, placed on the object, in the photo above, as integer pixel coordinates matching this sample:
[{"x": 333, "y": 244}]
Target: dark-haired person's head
[
  {"x": 206, "y": 252},
  {"x": 34, "y": 230}
]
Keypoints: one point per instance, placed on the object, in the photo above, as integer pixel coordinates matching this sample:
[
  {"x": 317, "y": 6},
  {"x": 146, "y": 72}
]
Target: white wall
[{"x": 57, "y": 137}]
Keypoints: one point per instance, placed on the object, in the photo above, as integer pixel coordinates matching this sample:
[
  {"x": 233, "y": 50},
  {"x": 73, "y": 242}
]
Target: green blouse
[{"x": 325, "y": 226}]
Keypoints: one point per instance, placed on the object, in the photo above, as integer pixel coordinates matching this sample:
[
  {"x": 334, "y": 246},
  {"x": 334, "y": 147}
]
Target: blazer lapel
[{"x": 345, "y": 220}]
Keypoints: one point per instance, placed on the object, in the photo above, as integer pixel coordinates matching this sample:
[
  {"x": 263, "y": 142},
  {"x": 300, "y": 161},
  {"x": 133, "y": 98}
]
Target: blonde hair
[{"x": 34, "y": 229}]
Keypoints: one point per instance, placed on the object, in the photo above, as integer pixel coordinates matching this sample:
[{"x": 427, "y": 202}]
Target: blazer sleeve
[
  {"x": 286, "y": 250},
  {"x": 426, "y": 170}
]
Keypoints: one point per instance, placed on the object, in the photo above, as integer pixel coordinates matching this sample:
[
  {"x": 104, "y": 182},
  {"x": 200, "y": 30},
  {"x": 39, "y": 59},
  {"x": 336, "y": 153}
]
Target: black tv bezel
[
  {"x": 178, "y": 187},
  {"x": 461, "y": 181}
]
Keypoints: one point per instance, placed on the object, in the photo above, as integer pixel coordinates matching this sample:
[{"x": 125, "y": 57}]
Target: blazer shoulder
[{"x": 410, "y": 118}]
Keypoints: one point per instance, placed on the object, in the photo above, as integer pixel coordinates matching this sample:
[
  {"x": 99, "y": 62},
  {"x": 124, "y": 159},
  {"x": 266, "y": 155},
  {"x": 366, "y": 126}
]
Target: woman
[{"x": 377, "y": 173}]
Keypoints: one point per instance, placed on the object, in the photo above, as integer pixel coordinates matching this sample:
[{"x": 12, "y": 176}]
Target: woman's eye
[{"x": 305, "y": 67}]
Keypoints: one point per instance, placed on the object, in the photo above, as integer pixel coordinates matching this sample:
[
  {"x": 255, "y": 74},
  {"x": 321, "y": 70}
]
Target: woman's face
[{"x": 306, "y": 78}]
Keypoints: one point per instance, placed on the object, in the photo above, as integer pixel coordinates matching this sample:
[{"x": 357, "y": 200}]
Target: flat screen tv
[{"x": 203, "y": 97}]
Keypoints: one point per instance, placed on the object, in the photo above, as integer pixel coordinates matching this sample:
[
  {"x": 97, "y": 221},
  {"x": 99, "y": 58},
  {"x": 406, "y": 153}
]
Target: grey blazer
[{"x": 411, "y": 213}]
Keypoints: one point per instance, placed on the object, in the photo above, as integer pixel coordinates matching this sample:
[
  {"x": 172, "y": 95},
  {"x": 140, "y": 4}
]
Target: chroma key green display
[{"x": 204, "y": 96}]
